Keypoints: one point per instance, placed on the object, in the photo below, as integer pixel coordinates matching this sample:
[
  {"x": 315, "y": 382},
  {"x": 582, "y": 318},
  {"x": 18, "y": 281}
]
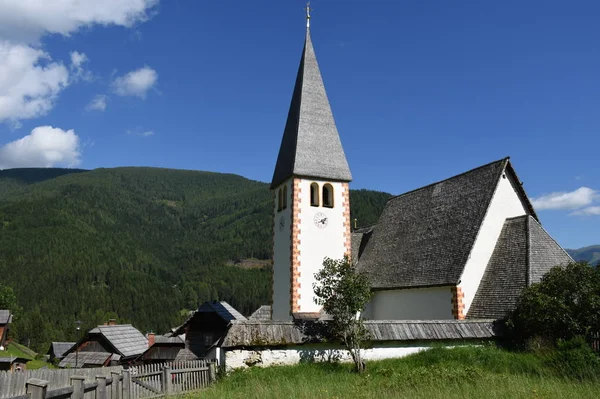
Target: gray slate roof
[
  {"x": 262, "y": 313},
  {"x": 223, "y": 309},
  {"x": 59, "y": 348},
  {"x": 424, "y": 237},
  {"x": 310, "y": 146},
  {"x": 125, "y": 338},
  {"x": 163, "y": 339},
  {"x": 85, "y": 358},
  {"x": 5, "y": 316},
  {"x": 523, "y": 254},
  {"x": 281, "y": 333}
]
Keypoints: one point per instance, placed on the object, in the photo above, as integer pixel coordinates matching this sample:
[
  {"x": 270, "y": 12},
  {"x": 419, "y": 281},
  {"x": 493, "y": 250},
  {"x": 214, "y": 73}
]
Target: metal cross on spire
[{"x": 308, "y": 10}]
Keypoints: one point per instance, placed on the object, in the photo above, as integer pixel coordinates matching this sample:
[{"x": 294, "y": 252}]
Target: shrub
[{"x": 574, "y": 358}]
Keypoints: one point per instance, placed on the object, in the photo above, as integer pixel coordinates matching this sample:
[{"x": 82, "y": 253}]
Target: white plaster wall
[
  {"x": 242, "y": 358},
  {"x": 411, "y": 304},
  {"x": 282, "y": 257},
  {"x": 505, "y": 204},
  {"x": 317, "y": 243}
]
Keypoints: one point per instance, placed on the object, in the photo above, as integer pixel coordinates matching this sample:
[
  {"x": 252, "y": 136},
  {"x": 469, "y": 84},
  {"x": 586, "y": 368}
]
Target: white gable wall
[
  {"x": 411, "y": 304},
  {"x": 505, "y": 203}
]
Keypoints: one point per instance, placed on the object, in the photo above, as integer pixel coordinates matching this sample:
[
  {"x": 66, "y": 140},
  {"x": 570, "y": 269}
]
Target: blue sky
[{"x": 421, "y": 90}]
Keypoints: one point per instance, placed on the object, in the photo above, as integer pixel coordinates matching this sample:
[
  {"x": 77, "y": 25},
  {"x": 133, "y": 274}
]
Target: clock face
[
  {"x": 320, "y": 220},
  {"x": 281, "y": 223}
]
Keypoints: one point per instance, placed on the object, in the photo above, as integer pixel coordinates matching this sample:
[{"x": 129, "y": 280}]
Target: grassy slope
[{"x": 438, "y": 373}]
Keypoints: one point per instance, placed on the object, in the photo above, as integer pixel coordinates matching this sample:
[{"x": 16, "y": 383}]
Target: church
[{"x": 461, "y": 248}]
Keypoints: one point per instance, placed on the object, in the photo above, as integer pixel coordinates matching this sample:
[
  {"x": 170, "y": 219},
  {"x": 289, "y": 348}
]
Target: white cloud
[
  {"x": 98, "y": 103},
  {"x": 590, "y": 210},
  {"x": 138, "y": 132},
  {"x": 29, "y": 82},
  {"x": 135, "y": 83},
  {"x": 79, "y": 72},
  {"x": 579, "y": 198},
  {"x": 45, "y": 146},
  {"x": 28, "y": 20}
]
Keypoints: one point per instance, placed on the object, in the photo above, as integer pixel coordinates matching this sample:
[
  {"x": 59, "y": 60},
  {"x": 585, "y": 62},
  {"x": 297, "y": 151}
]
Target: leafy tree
[
  {"x": 344, "y": 293},
  {"x": 563, "y": 305}
]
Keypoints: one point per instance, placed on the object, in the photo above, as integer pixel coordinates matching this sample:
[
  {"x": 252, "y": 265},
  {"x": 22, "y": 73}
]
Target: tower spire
[{"x": 308, "y": 10}]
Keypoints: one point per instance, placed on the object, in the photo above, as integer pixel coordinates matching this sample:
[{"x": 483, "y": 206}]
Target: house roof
[
  {"x": 59, "y": 348},
  {"x": 424, "y": 237},
  {"x": 223, "y": 309},
  {"x": 13, "y": 359},
  {"x": 281, "y": 333},
  {"x": 5, "y": 316},
  {"x": 81, "y": 359},
  {"x": 310, "y": 146},
  {"x": 125, "y": 338},
  {"x": 164, "y": 340},
  {"x": 524, "y": 252},
  {"x": 262, "y": 313}
]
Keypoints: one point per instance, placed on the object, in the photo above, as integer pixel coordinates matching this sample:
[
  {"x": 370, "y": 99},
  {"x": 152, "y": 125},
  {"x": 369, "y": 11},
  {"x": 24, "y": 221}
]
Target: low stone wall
[{"x": 264, "y": 357}]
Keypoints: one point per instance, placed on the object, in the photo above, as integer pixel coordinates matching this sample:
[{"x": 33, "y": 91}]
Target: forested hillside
[
  {"x": 139, "y": 244},
  {"x": 589, "y": 254}
]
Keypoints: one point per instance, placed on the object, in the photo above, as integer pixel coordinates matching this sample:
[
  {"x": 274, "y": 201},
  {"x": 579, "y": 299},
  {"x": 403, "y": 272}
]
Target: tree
[
  {"x": 344, "y": 293},
  {"x": 563, "y": 305}
]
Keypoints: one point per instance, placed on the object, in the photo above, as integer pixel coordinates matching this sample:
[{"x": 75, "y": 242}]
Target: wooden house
[
  {"x": 207, "y": 325},
  {"x": 5, "y": 320},
  {"x": 108, "y": 345},
  {"x": 58, "y": 349},
  {"x": 12, "y": 363},
  {"x": 162, "y": 348}
]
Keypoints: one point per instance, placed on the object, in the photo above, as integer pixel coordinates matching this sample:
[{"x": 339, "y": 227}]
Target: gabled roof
[
  {"x": 125, "y": 338},
  {"x": 223, "y": 309},
  {"x": 59, "y": 348},
  {"x": 5, "y": 316},
  {"x": 310, "y": 146},
  {"x": 424, "y": 237},
  {"x": 523, "y": 254},
  {"x": 82, "y": 359},
  {"x": 262, "y": 313}
]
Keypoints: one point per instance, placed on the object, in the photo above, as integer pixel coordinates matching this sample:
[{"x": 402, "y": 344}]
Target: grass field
[{"x": 467, "y": 372}]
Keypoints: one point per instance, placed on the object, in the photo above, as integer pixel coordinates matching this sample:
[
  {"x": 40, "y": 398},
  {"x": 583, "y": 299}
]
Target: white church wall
[
  {"x": 315, "y": 242},
  {"x": 411, "y": 304},
  {"x": 244, "y": 358},
  {"x": 505, "y": 204},
  {"x": 282, "y": 241}
]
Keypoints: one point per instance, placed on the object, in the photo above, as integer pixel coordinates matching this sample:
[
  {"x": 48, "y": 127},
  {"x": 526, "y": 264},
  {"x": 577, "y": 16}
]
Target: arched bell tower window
[
  {"x": 284, "y": 196},
  {"x": 314, "y": 194},
  {"x": 328, "y": 195},
  {"x": 279, "y": 199}
]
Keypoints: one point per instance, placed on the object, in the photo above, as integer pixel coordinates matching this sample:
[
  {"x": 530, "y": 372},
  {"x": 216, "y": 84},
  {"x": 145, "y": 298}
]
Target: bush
[{"x": 563, "y": 305}]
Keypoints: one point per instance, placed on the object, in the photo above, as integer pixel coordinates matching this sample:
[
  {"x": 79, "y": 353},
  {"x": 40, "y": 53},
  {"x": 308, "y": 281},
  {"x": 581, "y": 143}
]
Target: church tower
[{"x": 311, "y": 201}]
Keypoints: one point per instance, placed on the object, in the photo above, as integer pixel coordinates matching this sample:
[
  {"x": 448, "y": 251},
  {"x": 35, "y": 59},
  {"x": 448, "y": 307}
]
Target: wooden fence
[
  {"x": 13, "y": 383},
  {"x": 596, "y": 341},
  {"x": 146, "y": 381}
]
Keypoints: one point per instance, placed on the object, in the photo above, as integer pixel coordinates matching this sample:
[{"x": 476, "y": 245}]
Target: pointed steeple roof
[{"x": 311, "y": 146}]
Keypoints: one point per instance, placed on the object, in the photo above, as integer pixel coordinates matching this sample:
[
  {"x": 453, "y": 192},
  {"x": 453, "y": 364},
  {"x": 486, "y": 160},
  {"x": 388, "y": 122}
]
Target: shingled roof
[
  {"x": 424, "y": 237},
  {"x": 310, "y": 146},
  {"x": 223, "y": 309},
  {"x": 523, "y": 254},
  {"x": 281, "y": 333},
  {"x": 58, "y": 349},
  {"x": 125, "y": 338},
  {"x": 5, "y": 316}
]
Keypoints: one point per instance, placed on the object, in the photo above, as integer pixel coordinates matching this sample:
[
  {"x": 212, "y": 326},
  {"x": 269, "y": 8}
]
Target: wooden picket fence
[
  {"x": 13, "y": 383},
  {"x": 137, "y": 382}
]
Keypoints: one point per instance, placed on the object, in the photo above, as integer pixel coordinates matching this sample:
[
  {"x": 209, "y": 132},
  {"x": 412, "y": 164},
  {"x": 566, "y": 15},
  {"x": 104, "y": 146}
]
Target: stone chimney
[
  {"x": 112, "y": 322},
  {"x": 150, "y": 339}
]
